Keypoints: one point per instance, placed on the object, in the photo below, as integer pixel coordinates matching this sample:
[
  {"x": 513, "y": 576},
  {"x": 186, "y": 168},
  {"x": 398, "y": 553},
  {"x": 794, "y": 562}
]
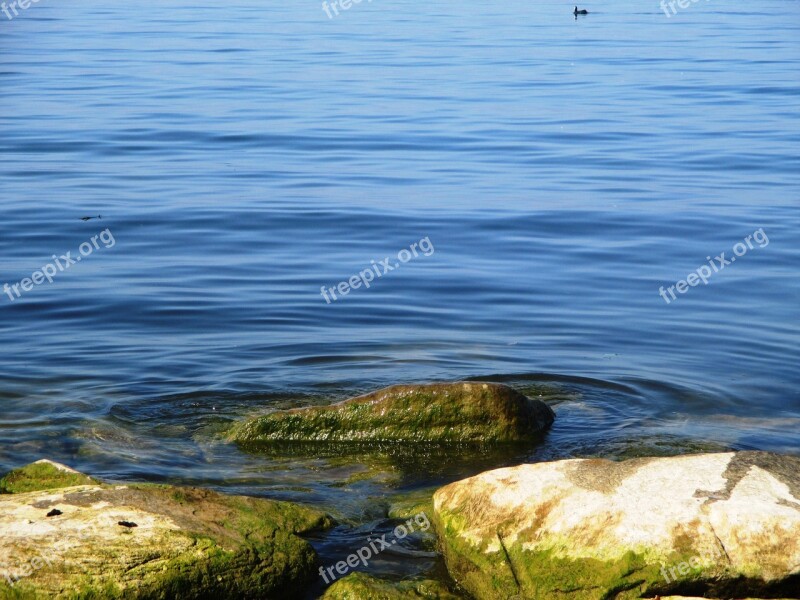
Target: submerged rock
[
  {"x": 472, "y": 412},
  {"x": 359, "y": 586},
  {"x": 146, "y": 541},
  {"x": 407, "y": 504},
  {"x": 719, "y": 525}
]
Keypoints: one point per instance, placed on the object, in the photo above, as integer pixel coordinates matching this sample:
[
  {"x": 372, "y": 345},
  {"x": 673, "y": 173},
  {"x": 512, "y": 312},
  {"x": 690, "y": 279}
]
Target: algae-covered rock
[
  {"x": 407, "y": 504},
  {"x": 42, "y": 475},
  {"x": 359, "y": 586},
  {"x": 464, "y": 412},
  {"x": 97, "y": 540},
  {"x": 720, "y": 525}
]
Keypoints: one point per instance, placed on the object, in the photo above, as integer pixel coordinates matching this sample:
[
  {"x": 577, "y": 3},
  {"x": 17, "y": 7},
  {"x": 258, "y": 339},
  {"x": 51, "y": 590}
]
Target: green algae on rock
[
  {"x": 464, "y": 412},
  {"x": 42, "y": 475},
  {"x": 359, "y": 586},
  {"x": 407, "y": 504},
  {"x": 151, "y": 541},
  {"x": 588, "y": 529}
]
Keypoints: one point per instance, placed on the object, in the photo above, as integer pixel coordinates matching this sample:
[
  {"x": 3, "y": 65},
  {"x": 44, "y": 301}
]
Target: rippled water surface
[{"x": 244, "y": 154}]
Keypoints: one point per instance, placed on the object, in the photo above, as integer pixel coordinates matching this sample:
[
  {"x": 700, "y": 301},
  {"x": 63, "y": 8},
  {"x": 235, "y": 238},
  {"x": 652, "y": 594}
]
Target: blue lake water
[{"x": 244, "y": 154}]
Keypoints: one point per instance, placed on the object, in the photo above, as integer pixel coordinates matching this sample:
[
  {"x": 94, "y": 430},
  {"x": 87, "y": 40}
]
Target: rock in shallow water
[
  {"x": 359, "y": 586},
  {"x": 146, "y": 541},
  {"x": 462, "y": 412},
  {"x": 717, "y": 524}
]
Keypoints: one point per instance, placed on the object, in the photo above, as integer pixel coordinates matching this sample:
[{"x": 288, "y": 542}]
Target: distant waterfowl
[{"x": 580, "y": 12}]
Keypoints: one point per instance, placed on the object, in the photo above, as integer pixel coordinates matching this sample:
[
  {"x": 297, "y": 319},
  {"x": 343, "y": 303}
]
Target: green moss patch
[
  {"x": 359, "y": 586},
  {"x": 42, "y": 475},
  {"x": 409, "y": 504}
]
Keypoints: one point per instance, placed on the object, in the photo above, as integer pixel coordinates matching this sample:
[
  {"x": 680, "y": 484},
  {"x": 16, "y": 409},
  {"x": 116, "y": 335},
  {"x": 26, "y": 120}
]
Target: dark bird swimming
[{"x": 577, "y": 12}]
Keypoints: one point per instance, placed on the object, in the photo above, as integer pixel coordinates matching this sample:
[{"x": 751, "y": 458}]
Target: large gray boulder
[{"x": 720, "y": 525}]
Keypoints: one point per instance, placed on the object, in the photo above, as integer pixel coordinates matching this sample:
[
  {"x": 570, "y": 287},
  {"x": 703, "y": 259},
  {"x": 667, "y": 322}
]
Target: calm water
[{"x": 243, "y": 154}]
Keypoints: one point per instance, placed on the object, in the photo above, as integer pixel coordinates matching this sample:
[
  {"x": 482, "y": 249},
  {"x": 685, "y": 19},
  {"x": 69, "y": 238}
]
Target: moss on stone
[
  {"x": 502, "y": 568},
  {"x": 187, "y": 543},
  {"x": 510, "y": 571},
  {"x": 359, "y": 586},
  {"x": 408, "y": 504},
  {"x": 42, "y": 475},
  {"x": 443, "y": 413},
  {"x": 510, "y": 533}
]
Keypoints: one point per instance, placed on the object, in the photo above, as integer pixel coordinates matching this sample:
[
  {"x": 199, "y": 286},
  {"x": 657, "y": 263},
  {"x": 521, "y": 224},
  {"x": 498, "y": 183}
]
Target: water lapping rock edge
[
  {"x": 717, "y": 525},
  {"x": 462, "y": 412}
]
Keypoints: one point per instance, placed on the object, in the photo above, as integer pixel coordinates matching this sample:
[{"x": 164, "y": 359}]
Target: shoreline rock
[
  {"x": 463, "y": 412},
  {"x": 146, "y": 540},
  {"x": 721, "y": 525},
  {"x": 359, "y": 586}
]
